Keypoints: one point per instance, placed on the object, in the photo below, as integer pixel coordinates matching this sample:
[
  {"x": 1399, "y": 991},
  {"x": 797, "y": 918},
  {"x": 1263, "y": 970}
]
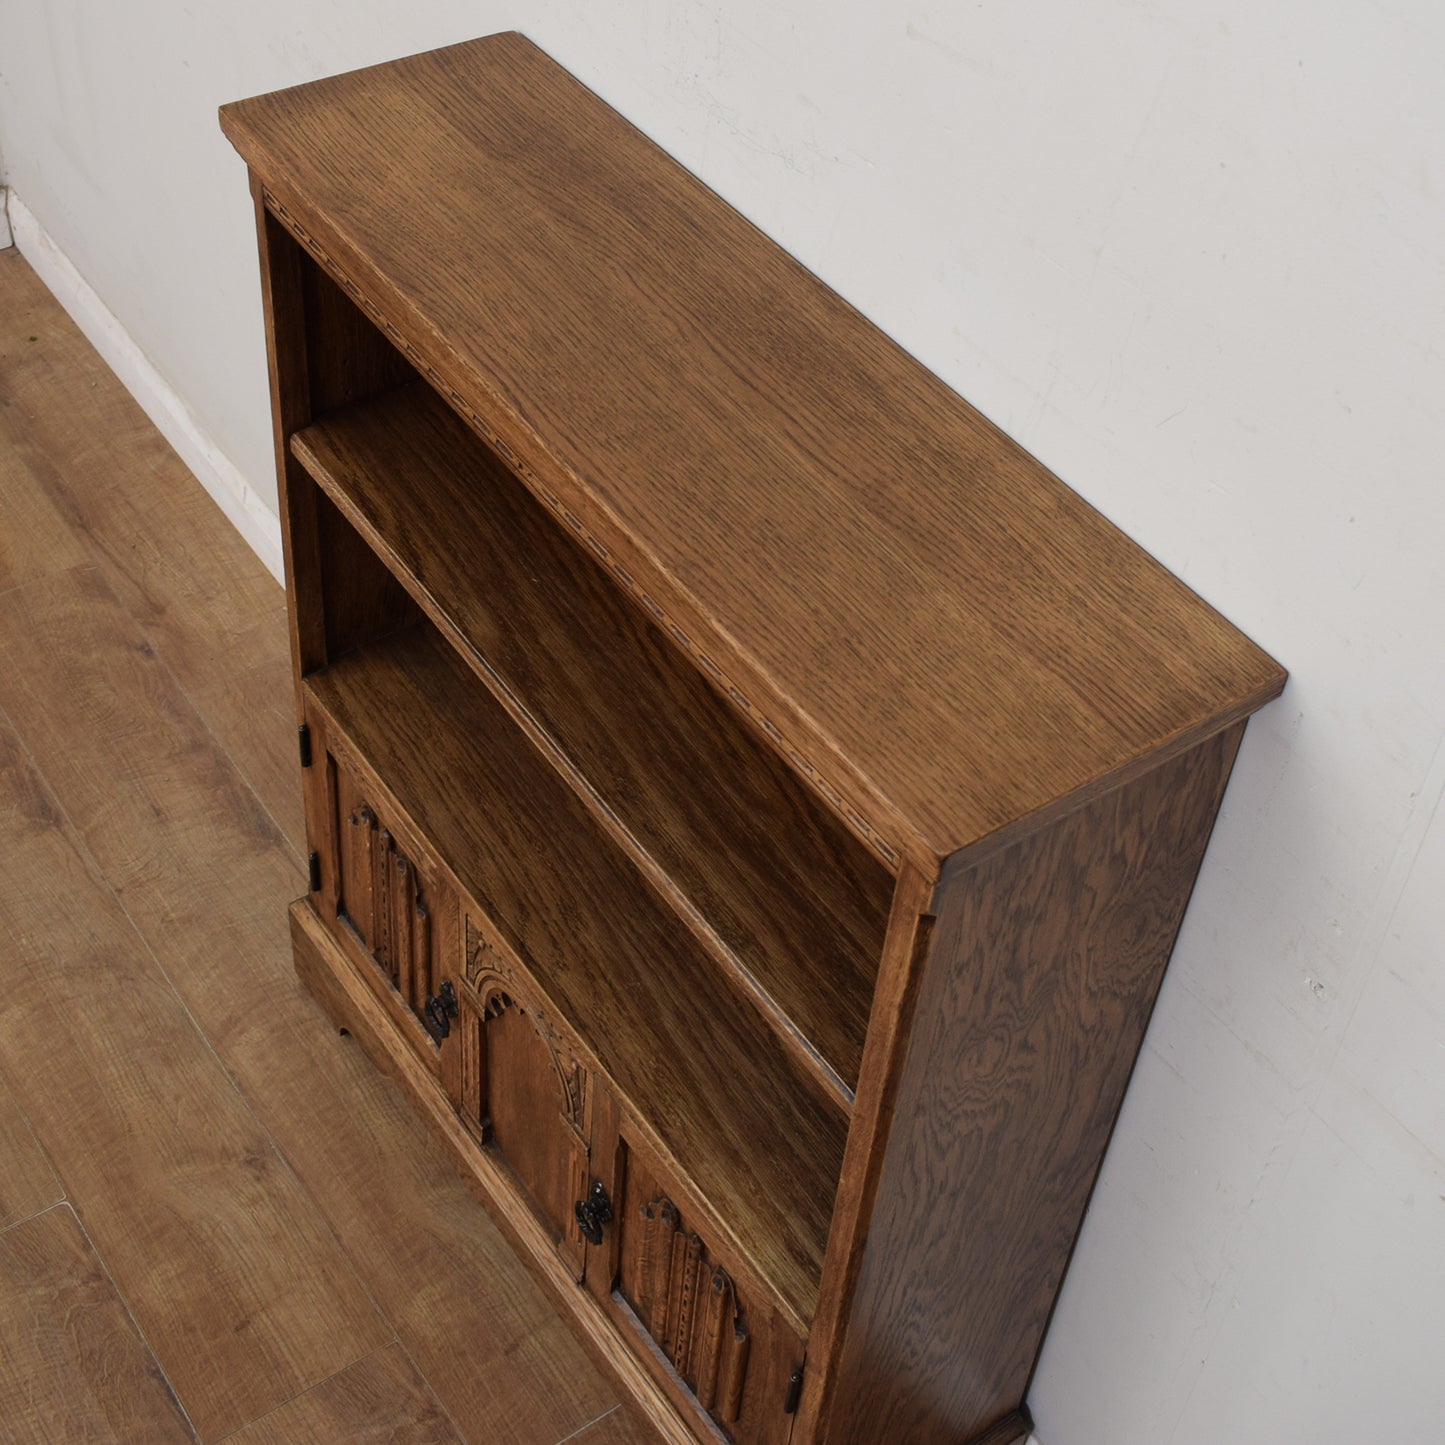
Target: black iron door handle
[{"x": 593, "y": 1212}]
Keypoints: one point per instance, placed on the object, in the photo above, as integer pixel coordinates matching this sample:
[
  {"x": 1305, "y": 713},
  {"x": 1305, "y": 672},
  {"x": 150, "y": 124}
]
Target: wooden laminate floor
[{"x": 216, "y": 1220}]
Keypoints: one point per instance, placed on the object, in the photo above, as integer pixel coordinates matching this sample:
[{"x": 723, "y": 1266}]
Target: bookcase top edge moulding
[{"x": 751, "y": 801}]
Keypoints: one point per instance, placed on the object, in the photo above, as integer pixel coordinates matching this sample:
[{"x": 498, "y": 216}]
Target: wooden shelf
[
  {"x": 778, "y": 890},
  {"x": 727, "y": 1101}
]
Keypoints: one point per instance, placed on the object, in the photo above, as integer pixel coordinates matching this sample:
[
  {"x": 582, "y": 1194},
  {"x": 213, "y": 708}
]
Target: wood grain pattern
[
  {"x": 900, "y": 976},
  {"x": 27, "y": 1182},
  {"x": 502, "y": 1361},
  {"x": 345, "y": 357},
  {"x": 1013, "y": 1429},
  {"x": 386, "y": 889},
  {"x": 240, "y": 1289},
  {"x": 554, "y": 268},
  {"x": 721, "y": 591},
  {"x": 1044, "y": 968},
  {"x": 283, "y": 309},
  {"x": 741, "y": 1117},
  {"x": 730, "y": 834},
  {"x": 360, "y": 599},
  {"x": 136, "y": 513},
  {"x": 72, "y": 1366},
  {"x": 34, "y": 540},
  {"x": 380, "y": 1400},
  {"x": 526, "y": 1107}
]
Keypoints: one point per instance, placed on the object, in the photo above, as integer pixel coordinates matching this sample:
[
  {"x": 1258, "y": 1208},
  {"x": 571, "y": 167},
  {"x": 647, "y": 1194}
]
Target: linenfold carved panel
[
  {"x": 383, "y": 898},
  {"x": 691, "y": 1309}
]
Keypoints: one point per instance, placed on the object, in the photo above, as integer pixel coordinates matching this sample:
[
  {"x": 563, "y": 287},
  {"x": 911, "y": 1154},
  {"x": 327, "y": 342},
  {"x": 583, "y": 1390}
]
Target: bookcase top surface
[{"x": 940, "y": 632}]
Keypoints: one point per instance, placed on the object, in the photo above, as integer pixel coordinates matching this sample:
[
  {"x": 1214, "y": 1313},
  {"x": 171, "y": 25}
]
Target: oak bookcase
[{"x": 752, "y": 801}]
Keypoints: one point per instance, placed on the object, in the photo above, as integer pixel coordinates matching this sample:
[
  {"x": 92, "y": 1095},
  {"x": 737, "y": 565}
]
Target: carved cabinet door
[
  {"x": 393, "y": 909},
  {"x": 628, "y": 1233},
  {"x": 523, "y": 1093},
  {"x": 706, "y": 1329}
]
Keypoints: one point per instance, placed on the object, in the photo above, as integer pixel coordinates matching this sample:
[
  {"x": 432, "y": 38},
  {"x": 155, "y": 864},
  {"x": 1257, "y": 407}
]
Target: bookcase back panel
[
  {"x": 347, "y": 357},
  {"x": 360, "y": 600}
]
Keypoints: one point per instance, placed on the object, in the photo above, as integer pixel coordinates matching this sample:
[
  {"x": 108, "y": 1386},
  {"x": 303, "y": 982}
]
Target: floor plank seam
[
  {"x": 106, "y": 573},
  {"x": 581, "y": 1428},
  {"x": 83, "y": 849},
  {"x": 112, "y": 572},
  {"x": 29, "y": 1127},
  {"x": 135, "y": 1323},
  {"x": 314, "y": 1385},
  {"x": 440, "y": 1404},
  {"x": 37, "y": 1214},
  {"x": 287, "y": 845}
]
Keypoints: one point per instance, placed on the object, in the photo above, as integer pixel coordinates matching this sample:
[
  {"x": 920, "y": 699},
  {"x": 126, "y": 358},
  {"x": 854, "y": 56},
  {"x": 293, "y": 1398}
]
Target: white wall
[{"x": 1192, "y": 257}]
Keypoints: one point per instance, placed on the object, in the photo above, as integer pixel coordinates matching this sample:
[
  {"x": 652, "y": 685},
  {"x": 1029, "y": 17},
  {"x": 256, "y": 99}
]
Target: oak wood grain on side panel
[
  {"x": 1045, "y": 963},
  {"x": 380, "y": 1400},
  {"x": 72, "y": 1366}
]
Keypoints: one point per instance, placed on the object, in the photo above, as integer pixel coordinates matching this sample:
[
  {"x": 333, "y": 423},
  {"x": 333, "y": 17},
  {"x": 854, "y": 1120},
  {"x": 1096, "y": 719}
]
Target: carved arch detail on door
[{"x": 497, "y": 985}]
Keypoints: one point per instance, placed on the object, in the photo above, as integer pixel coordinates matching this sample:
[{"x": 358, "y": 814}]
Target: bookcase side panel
[
  {"x": 1042, "y": 972},
  {"x": 321, "y": 354},
  {"x": 905, "y": 951},
  {"x": 284, "y": 311}
]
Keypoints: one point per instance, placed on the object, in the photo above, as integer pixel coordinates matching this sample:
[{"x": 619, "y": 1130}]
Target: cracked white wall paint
[{"x": 1190, "y": 256}]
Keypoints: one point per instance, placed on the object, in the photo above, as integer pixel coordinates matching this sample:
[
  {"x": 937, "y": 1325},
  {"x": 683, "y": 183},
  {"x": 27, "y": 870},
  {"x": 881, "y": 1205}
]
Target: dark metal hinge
[
  {"x": 795, "y": 1392},
  {"x": 313, "y": 868},
  {"x": 303, "y": 742}
]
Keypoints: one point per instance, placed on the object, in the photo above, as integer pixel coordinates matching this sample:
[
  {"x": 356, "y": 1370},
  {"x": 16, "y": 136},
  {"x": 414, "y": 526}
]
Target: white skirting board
[
  {"x": 250, "y": 516},
  {"x": 6, "y": 239}
]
